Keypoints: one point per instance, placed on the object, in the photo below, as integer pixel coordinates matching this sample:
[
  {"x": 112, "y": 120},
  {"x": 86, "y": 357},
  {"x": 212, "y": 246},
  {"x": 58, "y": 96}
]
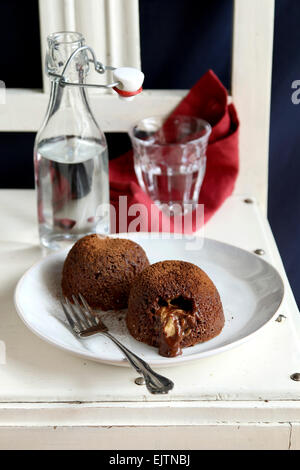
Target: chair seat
[{"x": 41, "y": 386}]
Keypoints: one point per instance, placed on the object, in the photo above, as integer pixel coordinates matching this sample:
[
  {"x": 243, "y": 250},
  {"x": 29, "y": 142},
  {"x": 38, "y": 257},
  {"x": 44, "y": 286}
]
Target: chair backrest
[
  {"x": 112, "y": 28},
  {"x": 251, "y": 92}
]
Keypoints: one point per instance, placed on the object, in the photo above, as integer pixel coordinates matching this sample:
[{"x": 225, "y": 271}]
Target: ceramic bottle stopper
[{"x": 131, "y": 81}]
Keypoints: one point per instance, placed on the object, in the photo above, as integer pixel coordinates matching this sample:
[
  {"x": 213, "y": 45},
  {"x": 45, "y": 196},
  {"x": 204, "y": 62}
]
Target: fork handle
[{"x": 155, "y": 383}]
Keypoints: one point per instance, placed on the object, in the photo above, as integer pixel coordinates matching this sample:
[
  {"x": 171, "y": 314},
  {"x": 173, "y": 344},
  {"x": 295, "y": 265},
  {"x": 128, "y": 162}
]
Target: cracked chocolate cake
[
  {"x": 173, "y": 305},
  {"x": 102, "y": 270}
]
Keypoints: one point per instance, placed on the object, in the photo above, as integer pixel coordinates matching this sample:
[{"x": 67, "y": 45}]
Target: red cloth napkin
[{"x": 207, "y": 100}]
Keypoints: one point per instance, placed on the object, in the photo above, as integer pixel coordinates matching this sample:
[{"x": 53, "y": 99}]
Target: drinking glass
[{"x": 170, "y": 160}]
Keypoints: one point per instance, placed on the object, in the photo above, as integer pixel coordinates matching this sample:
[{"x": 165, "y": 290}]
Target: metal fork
[{"x": 85, "y": 323}]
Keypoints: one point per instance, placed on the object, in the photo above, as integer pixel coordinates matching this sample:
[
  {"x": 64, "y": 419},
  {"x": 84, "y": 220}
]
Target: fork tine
[
  {"x": 85, "y": 318},
  {"x": 88, "y": 310},
  {"x": 80, "y": 325},
  {"x": 68, "y": 317}
]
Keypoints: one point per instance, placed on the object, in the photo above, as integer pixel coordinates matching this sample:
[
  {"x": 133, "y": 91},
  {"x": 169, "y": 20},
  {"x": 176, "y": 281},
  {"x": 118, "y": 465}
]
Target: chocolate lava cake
[
  {"x": 102, "y": 270},
  {"x": 173, "y": 305}
]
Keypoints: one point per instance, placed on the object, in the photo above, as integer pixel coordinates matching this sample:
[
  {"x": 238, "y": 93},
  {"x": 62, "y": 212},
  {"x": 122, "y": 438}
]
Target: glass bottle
[{"x": 70, "y": 155}]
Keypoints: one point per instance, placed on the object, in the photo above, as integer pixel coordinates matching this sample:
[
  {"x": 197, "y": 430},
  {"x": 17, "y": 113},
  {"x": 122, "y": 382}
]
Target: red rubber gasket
[{"x": 127, "y": 93}]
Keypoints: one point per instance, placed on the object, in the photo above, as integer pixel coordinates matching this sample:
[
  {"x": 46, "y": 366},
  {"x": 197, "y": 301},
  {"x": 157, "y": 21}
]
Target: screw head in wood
[
  {"x": 140, "y": 381},
  {"x": 281, "y": 318},
  {"x": 296, "y": 377},
  {"x": 259, "y": 251}
]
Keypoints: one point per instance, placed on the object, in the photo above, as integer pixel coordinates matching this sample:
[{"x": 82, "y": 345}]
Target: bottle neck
[
  {"x": 68, "y": 112},
  {"x": 61, "y": 46},
  {"x": 66, "y": 97}
]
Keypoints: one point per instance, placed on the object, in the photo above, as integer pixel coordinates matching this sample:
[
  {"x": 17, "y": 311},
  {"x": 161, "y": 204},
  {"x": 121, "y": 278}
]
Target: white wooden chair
[
  {"x": 48, "y": 399},
  {"x": 111, "y": 27}
]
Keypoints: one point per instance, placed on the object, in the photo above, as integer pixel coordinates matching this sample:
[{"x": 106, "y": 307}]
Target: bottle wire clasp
[{"x": 132, "y": 78}]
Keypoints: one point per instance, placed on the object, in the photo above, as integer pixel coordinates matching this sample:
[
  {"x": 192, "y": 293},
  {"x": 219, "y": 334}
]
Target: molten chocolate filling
[{"x": 175, "y": 323}]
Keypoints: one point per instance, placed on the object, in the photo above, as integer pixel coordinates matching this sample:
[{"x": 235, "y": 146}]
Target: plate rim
[{"x": 175, "y": 361}]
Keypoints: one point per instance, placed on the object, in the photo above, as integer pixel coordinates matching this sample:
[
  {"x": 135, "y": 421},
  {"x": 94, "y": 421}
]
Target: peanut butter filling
[{"x": 175, "y": 323}]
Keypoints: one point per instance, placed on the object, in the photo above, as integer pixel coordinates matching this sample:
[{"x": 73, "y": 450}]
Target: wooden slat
[
  {"x": 140, "y": 413},
  {"x": 25, "y": 109},
  {"x": 52, "y": 18},
  {"x": 111, "y": 27},
  {"x": 243, "y": 436},
  {"x": 69, "y": 14},
  {"x": 91, "y": 22},
  {"x": 251, "y": 91},
  {"x": 123, "y": 33}
]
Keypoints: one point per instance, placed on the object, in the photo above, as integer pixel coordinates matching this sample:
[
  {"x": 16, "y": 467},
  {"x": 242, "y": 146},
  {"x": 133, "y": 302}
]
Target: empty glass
[{"x": 170, "y": 160}]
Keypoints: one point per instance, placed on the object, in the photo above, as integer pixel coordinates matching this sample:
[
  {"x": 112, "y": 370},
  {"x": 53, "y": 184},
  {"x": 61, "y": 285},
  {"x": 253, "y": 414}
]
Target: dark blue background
[{"x": 180, "y": 41}]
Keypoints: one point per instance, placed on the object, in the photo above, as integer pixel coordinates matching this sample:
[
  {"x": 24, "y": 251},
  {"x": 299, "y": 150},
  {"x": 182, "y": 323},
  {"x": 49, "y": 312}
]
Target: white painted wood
[
  {"x": 42, "y": 406},
  {"x": 244, "y": 436},
  {"x": 52, "y": 18},
  {"x": 91, "y": 22},
  {"x": 295, "y": 436},
  {"x": 90, "y": 398},
  {"x": 123, "y": 33},
  {"x": 70, "y": 15},
  {"x": 112, "y": 28},
  {"x": 251, "y": 91},
  {"x": 25, "y": 109},
  {"x": 182, "y": 413},
  {"x": 85, "y": 16},
  {"x": 36, "y": 371}
]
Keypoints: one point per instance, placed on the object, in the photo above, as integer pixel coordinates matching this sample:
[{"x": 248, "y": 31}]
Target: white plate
[{"x": 251, "y": 291}]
